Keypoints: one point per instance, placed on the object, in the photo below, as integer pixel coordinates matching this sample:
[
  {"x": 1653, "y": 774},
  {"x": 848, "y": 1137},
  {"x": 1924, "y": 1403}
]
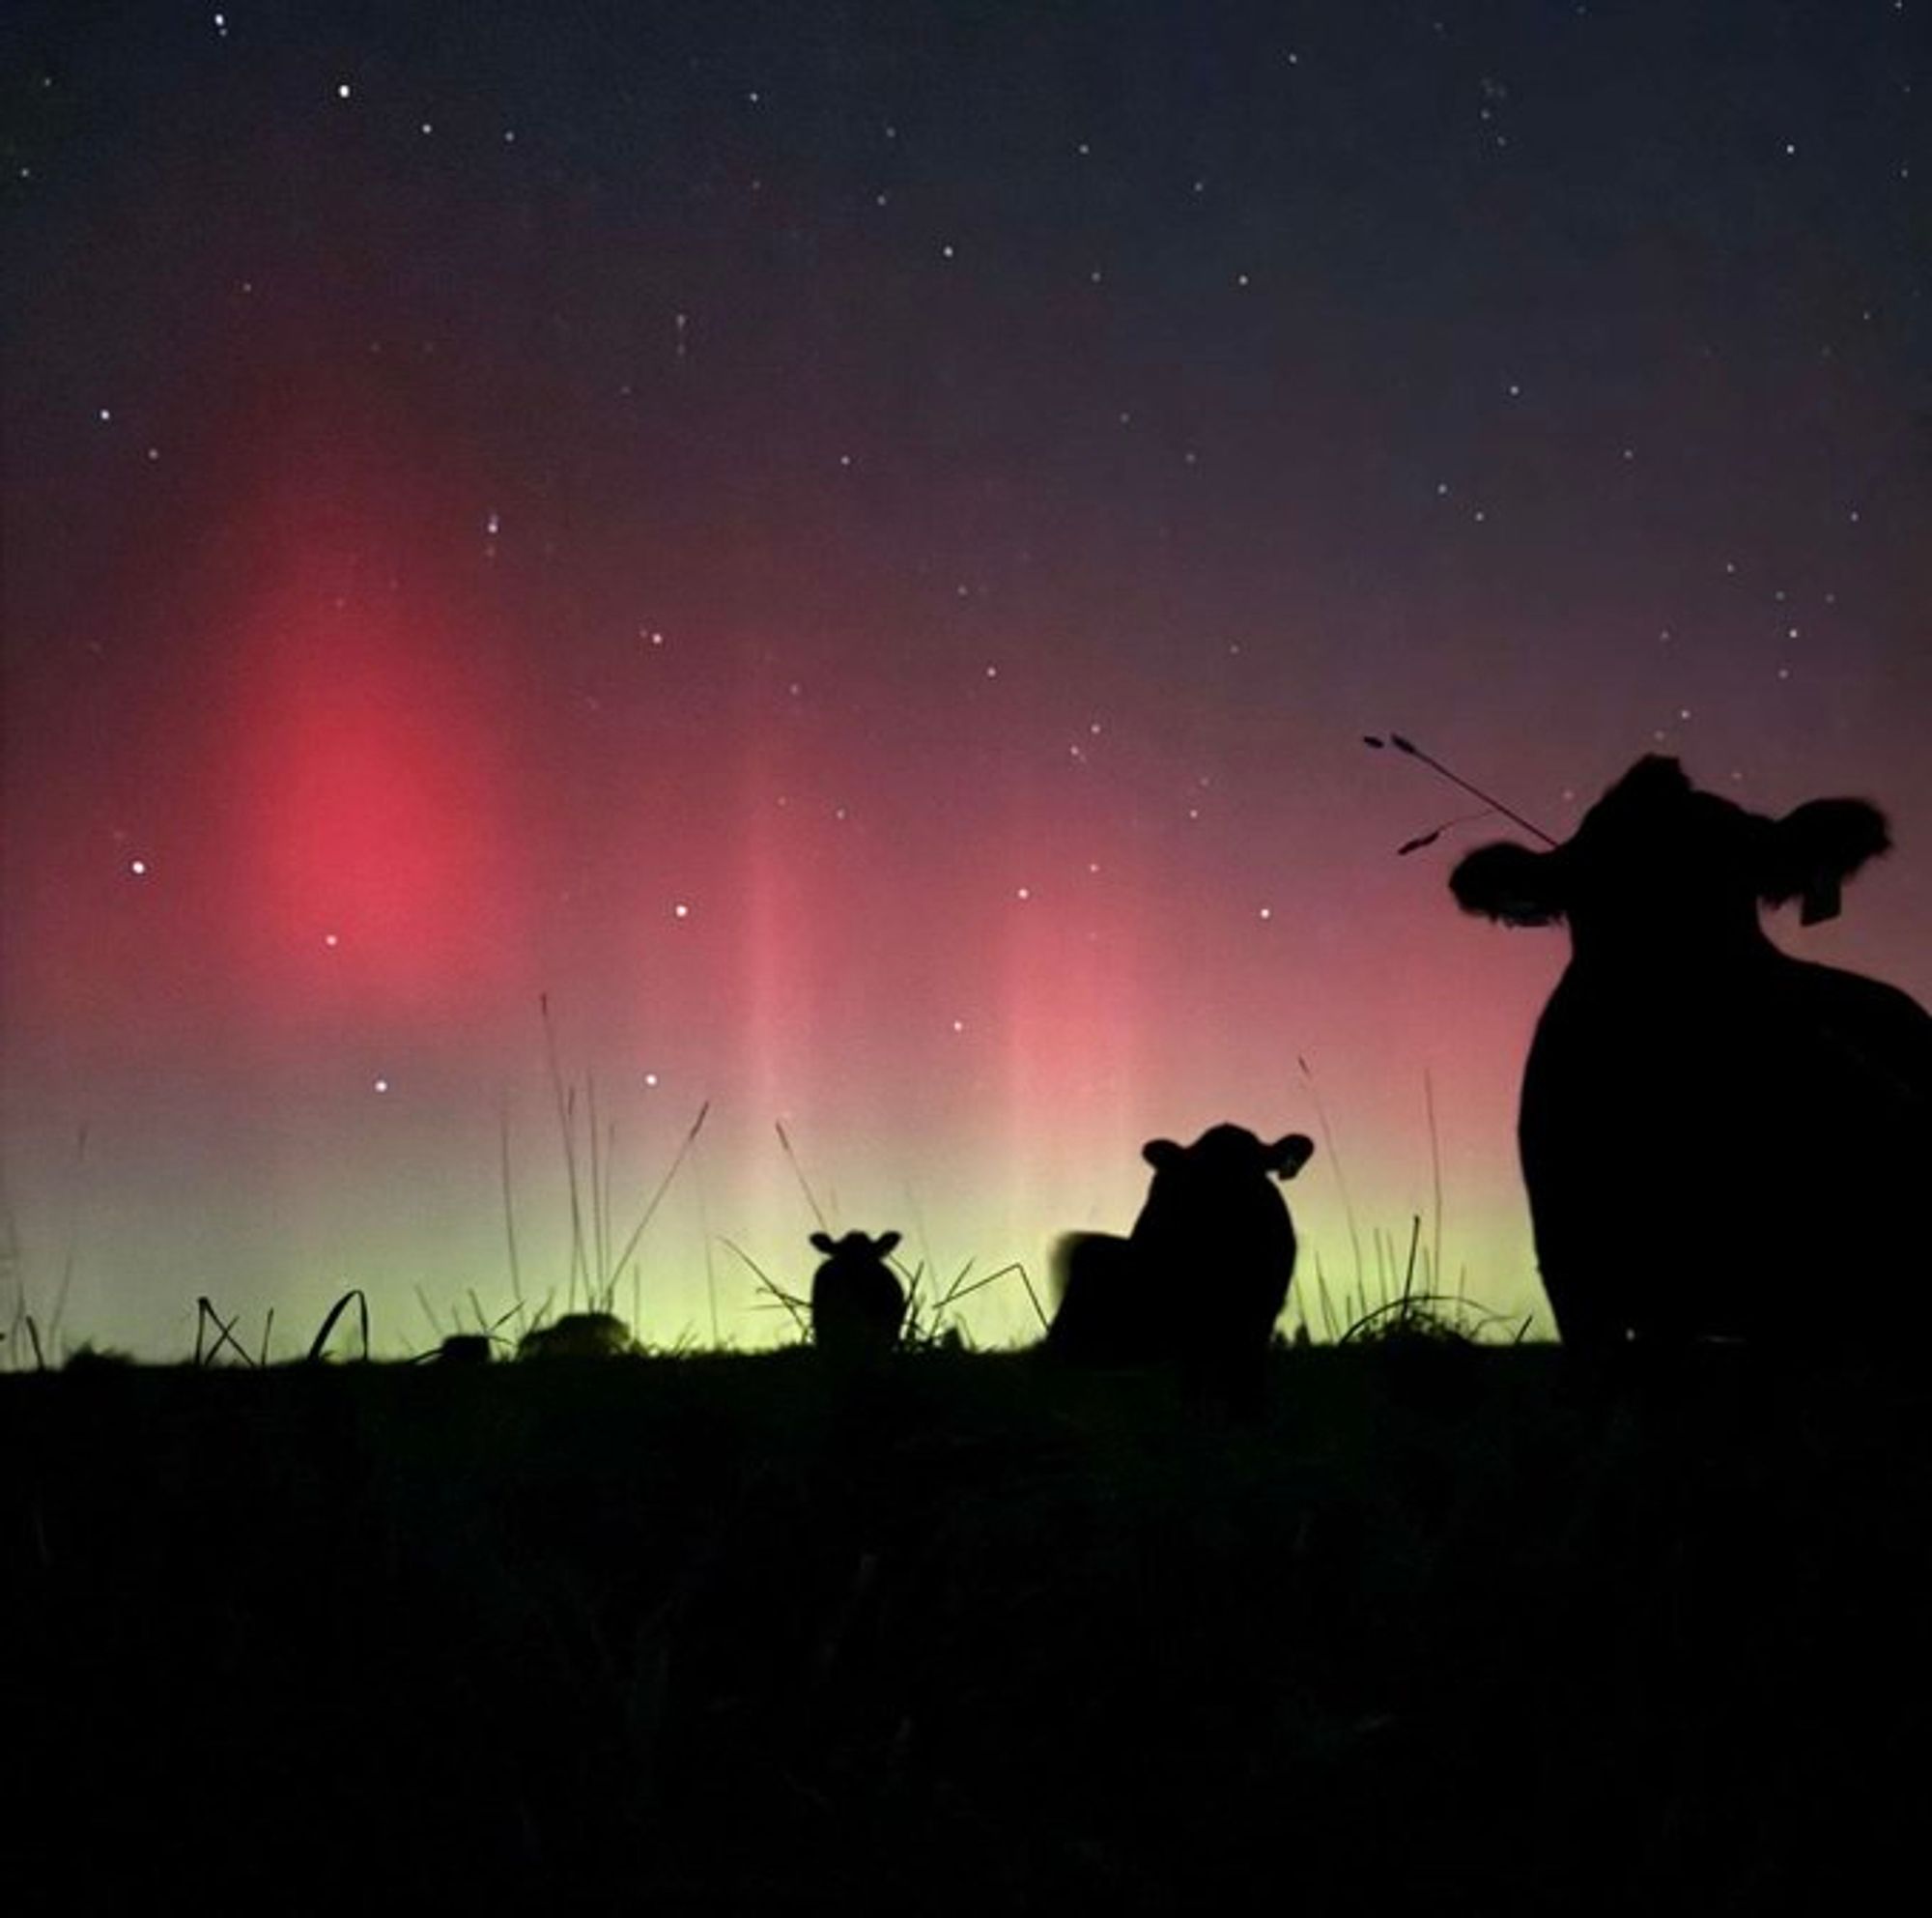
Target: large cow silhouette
[{"x": 1717, "y": 1138}]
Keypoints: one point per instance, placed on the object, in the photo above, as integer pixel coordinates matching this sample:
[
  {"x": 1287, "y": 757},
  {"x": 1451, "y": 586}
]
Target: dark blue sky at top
[
  {"x": 1043, "y": 438},
  {"x": 1432, "y": 205}
]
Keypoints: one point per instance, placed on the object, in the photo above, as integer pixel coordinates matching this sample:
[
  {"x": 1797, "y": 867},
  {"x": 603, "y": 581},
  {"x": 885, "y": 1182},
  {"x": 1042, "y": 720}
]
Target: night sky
[{"x": 853, "y": 548}]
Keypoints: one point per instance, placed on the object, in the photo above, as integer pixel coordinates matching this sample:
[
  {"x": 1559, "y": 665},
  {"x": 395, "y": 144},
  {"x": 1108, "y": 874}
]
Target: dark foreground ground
[{"x": 719, "y": 1634}]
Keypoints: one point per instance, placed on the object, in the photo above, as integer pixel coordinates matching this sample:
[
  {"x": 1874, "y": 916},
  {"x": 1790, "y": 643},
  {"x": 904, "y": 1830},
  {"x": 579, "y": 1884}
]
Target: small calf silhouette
[
  {"x": 1717, "y": 1138},
  {"x": 857, "y": 1304},
  {"x": 1205, "y": 1272}
]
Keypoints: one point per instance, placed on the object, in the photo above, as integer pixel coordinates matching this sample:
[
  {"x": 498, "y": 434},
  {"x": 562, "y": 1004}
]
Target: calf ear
[
  {"x": 1288, "y": 1155},
  {"x": 1812, "y": 851},
  {"x": 885, "y": 1242},
  {"x": 1511, "y": 883},
  {"x": 1161, "y": 1154},
  {"x": 825, "y": 1241}
]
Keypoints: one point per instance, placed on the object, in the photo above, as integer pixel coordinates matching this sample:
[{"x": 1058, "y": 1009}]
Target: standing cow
[
  {"x": 1717, "y": 1138},
  {"x": 1205, "y": 1272},
  {"x": 857, "y": 1304}
]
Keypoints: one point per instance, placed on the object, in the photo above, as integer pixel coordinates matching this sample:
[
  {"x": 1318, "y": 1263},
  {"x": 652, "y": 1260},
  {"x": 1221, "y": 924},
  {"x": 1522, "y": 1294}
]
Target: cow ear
[
  {"x": 1511, "y": 883},
  {"x": 1161, "y": 1154},
  {"x": 1812, "y": 851},
  {"x": 825, "y": 1241},
  {"x": 1290, "y": 1154},
  {"x": 885, "y": 1242}
]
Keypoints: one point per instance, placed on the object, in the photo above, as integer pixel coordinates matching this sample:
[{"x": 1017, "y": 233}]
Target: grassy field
[{"x": 1443, "y": 1627}]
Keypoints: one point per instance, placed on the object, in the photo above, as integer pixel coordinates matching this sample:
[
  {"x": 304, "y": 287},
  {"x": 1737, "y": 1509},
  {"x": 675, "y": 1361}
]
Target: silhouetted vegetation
[
  {"x": 967, "y": 1632},
  {"x": 579, "y": 1335}
]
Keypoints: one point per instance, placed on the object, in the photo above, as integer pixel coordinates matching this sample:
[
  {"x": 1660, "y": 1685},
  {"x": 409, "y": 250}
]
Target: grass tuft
[{"x": 319, "y": 1345}]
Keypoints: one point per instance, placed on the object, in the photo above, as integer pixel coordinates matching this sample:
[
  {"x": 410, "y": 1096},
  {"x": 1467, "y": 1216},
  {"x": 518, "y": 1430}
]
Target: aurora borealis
[{"x": 853, "y": 548}]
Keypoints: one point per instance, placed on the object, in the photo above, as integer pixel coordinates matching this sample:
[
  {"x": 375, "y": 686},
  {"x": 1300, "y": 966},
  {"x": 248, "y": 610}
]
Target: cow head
[
  {"x": 1656, "y": 862},
  {"x": 1232, "y": 1152}
]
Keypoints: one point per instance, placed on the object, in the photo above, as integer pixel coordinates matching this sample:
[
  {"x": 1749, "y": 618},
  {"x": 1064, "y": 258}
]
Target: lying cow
[{"x": 1204, "y": 1274}]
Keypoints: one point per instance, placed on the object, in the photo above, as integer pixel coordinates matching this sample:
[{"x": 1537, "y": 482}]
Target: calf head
[{"x": 857, "y": 1247}]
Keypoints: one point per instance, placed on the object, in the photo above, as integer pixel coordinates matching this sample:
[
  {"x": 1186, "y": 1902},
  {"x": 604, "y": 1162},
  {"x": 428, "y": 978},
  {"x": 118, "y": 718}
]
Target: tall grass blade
[
  {"x": 73, "y": 1230},
  {"x": 566, "y": 1119},
  {"x": 952, "y": 1292},
  {"x": 225, "y": 1329},
  {"x": 927, "y": 1260},
  {"x": 1032, "y": 1299},
  {"x": 615, "y": 1272},
  {"x": 915, "y": 1305},
  {"x": 798, "y": 1172},
  {"x": 580, "y": 1257},
  {"x": 509, "y": 1210},
  {"x": 1327, "y": 1304},
  {"x": 1435, "y": 1176},
  {"x": 1335, "y": 1162},
  {"x": 799, "y": 1309},
  {"x": 710, "y": 1257},
  {"x": 320, "y": 1344},
  {"x": 1435, "y": 764},
  {"x": 657, "y": 1197},
  {"x": 600, "y": 1244},
  {"x": 10, "y": 1261},
  {"x": 959, "y": 1290}
]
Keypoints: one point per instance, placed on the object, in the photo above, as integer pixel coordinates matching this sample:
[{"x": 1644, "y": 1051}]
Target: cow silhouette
[
  {"x": 1717, "y": 1139},
  {"x": 857, "y": 1304},
  {"x": 1204, "y": 1274}
]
